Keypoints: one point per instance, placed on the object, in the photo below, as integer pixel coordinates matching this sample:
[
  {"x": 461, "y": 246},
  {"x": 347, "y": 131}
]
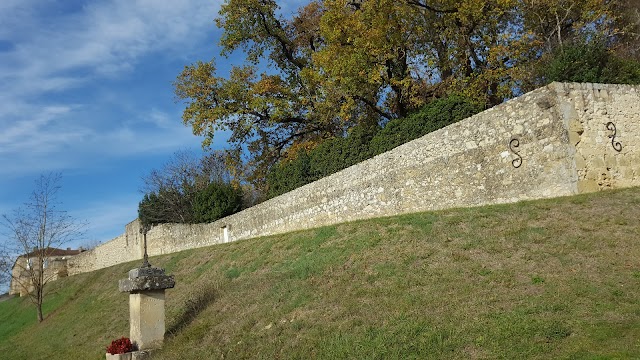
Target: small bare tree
[
  {"x": 32, "y": 233},
  {"x": 5, "y": 271}
]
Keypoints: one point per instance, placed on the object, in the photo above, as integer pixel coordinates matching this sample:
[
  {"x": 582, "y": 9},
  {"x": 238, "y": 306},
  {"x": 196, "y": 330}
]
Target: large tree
[
  {"x": 628, "y": 28},
  {"x": 32, "y": 232},
  {"x": 268, "y": 111},
  {"x": 373, "y": 52},
  {"x": 339, "y": 63}
]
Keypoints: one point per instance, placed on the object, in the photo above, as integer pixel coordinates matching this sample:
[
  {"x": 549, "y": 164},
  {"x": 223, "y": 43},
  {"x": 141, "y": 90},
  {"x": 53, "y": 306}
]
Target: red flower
[{"x": 120, "y": 346}]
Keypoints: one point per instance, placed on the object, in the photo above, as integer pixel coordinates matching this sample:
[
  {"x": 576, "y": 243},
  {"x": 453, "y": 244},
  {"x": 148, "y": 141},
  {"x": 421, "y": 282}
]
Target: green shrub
[
  {"x": 433, "y": 116},
  {"x": 591, "y": 62},
  {"x": 170, "y": 191},
  {"x": 163, "y": 207},
  {"x": 216, "y": 201},
  {"x": 289, "y": 175},
  {"x": 339, "y": 153},
  {"x": 363, "y": 143},
  {"x": 329, "y": 157},
  {"x": 145, "y": 209}
]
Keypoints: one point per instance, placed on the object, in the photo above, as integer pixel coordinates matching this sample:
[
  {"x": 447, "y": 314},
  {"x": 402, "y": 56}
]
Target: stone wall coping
[{"x": 146, "y": 279}]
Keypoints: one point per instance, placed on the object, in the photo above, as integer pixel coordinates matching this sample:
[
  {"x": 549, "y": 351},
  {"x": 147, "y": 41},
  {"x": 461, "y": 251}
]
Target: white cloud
[
  {"x": 14, "y": 15},
  {"x": 55, "y": 57},
  {"x": 38, "y": 134},
  {"x": 104, "y": 39},
  {"x": 98, "y": 41},
  {"x": 126, "y": 140},
  {"x": 160, "y": 119},
  {"x": 62, "y": 105}
]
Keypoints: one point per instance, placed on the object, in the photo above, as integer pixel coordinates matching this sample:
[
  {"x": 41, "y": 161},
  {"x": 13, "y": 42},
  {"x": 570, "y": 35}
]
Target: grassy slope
[{"x": 547, "y": 279}]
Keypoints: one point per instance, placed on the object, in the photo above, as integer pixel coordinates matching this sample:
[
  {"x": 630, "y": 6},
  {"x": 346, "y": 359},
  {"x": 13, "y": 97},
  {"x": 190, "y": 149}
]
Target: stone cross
[{"x": 146, "y": 286}]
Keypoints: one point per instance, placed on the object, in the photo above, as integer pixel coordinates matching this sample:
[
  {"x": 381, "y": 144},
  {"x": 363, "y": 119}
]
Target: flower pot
[{"x": 125, "y": 356}]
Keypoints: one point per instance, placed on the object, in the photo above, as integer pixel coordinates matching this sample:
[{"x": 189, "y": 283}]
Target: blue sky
[{"x": 86, "y": 90}]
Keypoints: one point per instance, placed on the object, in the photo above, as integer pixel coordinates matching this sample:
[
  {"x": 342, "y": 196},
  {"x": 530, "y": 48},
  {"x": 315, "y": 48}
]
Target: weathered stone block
[
  {"x": 125, "y": 356},
  {"x": 133, "y": 355},
  {"x": 144, "y": 279},
  {"x": 145, "y": 283},
  {"x": 587, "y": 186},
  {"x": 146, "y": 319}
]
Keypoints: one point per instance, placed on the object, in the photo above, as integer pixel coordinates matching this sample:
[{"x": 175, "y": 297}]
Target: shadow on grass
[{"x": 192, "y": 308}]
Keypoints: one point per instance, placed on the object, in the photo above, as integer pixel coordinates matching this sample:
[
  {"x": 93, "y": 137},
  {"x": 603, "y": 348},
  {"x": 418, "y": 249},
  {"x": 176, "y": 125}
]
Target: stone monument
[{"x": 146, "y": 286}]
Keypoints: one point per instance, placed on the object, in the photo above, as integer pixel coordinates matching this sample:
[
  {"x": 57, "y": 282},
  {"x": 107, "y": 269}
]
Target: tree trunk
[
  {"x": 40, "y": 318},
  {"x": 39, "y": 300}
]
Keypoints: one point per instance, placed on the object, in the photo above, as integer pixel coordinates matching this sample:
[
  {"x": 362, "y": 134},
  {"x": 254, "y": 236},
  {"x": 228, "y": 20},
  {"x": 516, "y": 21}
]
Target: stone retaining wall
[{"x": 551, "y": 142}]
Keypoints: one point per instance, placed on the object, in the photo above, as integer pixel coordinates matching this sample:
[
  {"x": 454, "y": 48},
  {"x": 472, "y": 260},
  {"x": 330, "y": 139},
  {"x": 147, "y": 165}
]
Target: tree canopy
[
  {"x": 335, "y": 64},
  {"x": 189, "y": 189}
]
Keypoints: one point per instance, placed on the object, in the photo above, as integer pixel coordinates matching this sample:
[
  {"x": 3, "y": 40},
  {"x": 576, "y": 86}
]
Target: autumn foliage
[{"x": 313, "y": 75}]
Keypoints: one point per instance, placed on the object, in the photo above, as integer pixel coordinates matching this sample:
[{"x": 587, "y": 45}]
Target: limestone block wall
[
  {"x": 21, "y": 284},
  {"x": 169, "y": 238},
  {"x": 18, "y": 272},
  {"x": 592, "y": 113},
  {"x": 126, "y": 247},
  {"x": 551, "y": 142}
]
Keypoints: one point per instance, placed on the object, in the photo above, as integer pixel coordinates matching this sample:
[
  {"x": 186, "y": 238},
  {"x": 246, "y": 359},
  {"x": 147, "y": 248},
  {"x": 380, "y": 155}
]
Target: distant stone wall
[
  {"x": 551, "y": 142},
  {"x": 55, "y": 267},
  {"x": 126, "y": 247}
]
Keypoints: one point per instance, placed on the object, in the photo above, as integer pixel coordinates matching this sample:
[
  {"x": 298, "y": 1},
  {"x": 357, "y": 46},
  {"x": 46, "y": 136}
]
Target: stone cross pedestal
[{"x": 146, "y": 286}]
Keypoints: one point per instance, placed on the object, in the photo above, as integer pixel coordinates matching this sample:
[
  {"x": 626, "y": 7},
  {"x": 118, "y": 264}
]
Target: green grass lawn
[{"x": 551, "y": 279}]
